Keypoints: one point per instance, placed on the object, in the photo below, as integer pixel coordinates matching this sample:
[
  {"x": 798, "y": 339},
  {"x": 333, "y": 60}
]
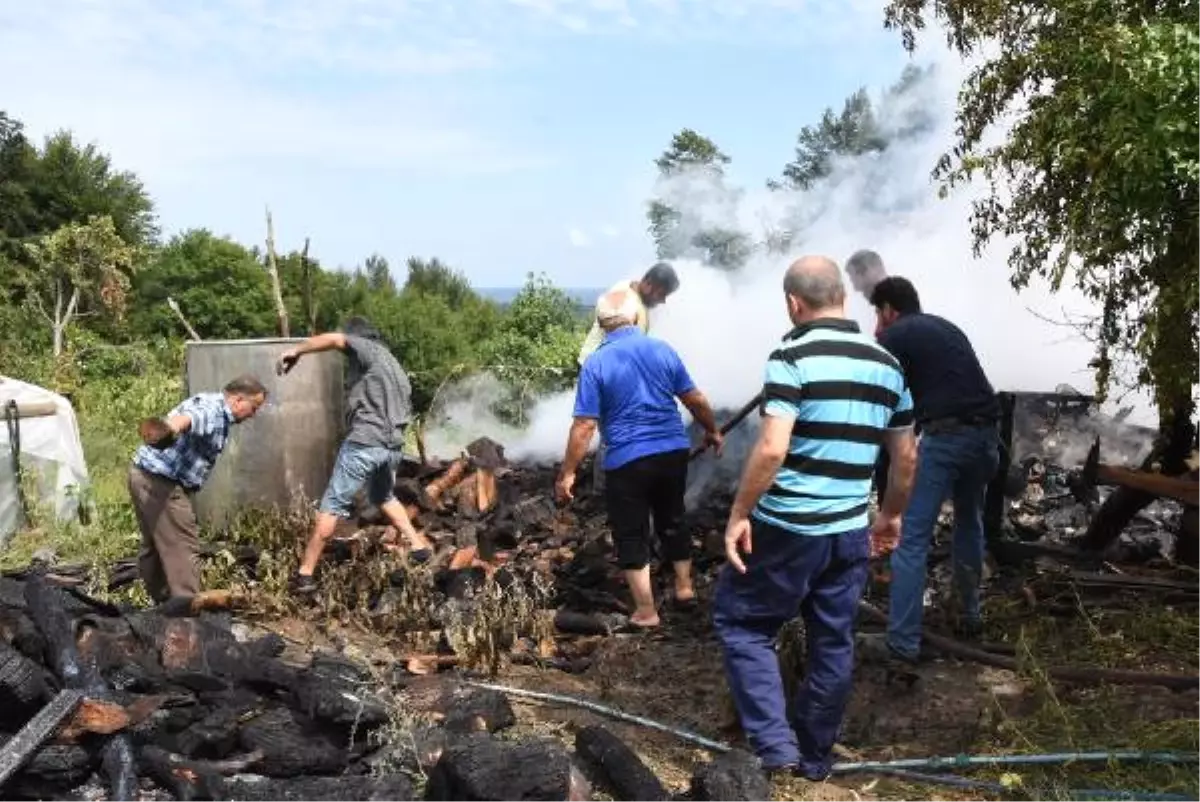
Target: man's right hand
[
  {"x": 737, "y": 540},
  {"x": 885, "y": 534},
  {"x": 155, "y": 432},
  {"x": 564, "y": 488},
  {"x": 715, "y": 441},
  {"x": 287, "y": 362}
]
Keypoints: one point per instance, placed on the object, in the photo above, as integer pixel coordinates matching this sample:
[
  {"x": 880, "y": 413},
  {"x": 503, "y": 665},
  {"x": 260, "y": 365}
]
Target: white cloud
[
  {"x": 578, "y": 237},
  {"x": 609, "y": 231}
]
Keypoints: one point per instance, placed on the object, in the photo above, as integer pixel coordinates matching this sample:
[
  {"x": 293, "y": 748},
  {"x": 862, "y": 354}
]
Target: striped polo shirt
[{"x": 843, "y": 391}]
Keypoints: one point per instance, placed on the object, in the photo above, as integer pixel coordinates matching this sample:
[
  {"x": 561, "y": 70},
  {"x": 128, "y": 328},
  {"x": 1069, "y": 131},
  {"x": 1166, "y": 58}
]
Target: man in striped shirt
[{"x": 797, "y": 540}]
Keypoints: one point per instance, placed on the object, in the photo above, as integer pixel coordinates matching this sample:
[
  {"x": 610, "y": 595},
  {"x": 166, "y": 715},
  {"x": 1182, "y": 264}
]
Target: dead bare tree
[
  {"x": 273, "y": 270},
  {"x": 179, "y": 314}
]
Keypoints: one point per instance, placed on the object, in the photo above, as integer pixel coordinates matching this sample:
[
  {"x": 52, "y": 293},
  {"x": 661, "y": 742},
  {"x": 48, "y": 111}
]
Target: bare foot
[
  {"x": 645, "y": 622},
  {"x": 419, "y": 542}
]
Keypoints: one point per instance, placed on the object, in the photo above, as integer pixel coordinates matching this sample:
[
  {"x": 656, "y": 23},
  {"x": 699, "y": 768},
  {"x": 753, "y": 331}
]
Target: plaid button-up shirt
[{"x": 190, "y": 458}]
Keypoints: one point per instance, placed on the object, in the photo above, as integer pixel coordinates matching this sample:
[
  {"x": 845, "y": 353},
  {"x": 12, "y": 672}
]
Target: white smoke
[{"x": 723, "y": 324}]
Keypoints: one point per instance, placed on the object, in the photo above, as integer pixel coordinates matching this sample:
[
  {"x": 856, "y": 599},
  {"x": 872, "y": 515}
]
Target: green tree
[
  {"x": 80, "y": 269},
  {"x": 851, "y": 133},
  {"x": 1096, "y": 183},
  {"x": 536, "y": 341},
  {"x": 219, "y": 285},
  {"x": 18, "y": 213},
  {"x": 1097, "y": 180},
  {"x": 74, "y": 183},
  {"x": 855, "y": 131},
  {"x": 693, "y": 170},
  {"x": 434, "y": 277},
  {"x": 379, "y": 275}
]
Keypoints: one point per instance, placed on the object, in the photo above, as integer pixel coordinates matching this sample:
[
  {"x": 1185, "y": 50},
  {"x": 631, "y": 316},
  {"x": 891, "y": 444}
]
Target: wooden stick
[
  {"x": 179, "y": 314},
  {"x": 273, "y": 271},
  {"x": 1183, "y": 490}
]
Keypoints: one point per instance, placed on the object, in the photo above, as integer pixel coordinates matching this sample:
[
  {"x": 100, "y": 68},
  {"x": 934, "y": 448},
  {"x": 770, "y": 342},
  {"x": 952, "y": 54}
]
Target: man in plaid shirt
[{"x": 168, "y": 470}]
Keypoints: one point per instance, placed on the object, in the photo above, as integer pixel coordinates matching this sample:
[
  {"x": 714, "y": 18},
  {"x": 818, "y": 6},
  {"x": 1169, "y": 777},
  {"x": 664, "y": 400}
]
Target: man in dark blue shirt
[
  {"x": 957, "y": 413},
  {"x": 629, "y": 385}
]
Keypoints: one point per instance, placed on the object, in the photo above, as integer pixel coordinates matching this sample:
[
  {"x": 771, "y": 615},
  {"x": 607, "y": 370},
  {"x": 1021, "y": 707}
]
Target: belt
[
  {"x": 189, "y": 490},
  {"x": 950, "y": 424}
]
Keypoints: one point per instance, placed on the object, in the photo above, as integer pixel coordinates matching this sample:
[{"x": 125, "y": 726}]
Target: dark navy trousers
[{"x": 820, "y": 578}]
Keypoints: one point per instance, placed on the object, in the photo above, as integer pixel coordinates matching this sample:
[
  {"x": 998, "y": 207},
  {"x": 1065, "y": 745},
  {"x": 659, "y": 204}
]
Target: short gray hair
[
  {"x": 617, "y": 308},
  {"x": 864, "y": 261},
  {"x": 816, "y": 281},
  {"x": 246, "y": 385}
]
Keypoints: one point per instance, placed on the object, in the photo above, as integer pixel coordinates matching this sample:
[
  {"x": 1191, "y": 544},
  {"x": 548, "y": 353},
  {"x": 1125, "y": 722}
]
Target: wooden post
[
  {"x": 310, "y": 311},
  {"x": 273, "y": 270}
]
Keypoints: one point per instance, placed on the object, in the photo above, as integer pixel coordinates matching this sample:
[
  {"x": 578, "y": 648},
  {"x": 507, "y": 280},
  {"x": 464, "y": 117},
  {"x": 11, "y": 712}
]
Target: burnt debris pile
[
  {"x": 101, "y": 703},
  {"x": 146, "y": 699}
]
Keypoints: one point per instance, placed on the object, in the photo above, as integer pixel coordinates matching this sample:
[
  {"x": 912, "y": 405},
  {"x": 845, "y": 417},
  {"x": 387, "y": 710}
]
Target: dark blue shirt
[
  {"x": 943, "y": 373},
  {"x": 630, "y": 384}
]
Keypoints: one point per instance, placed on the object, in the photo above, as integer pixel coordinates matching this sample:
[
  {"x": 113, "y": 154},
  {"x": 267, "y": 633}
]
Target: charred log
[
  {"x": 482, "y": 768},
  {"x": 736, "y": 775},
  {"x": 623, "y": 770}
]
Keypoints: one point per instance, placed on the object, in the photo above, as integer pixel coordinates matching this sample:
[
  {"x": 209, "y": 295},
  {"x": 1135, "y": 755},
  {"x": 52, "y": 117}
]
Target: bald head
[{"x": 816, "y": 282}]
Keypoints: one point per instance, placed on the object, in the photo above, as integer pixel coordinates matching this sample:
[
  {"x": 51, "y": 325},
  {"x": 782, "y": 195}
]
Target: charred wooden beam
[
  {"x": 19, "y": 749},
  {"x": 47, "y": 608},
  {"x": 623, "y": 770}
]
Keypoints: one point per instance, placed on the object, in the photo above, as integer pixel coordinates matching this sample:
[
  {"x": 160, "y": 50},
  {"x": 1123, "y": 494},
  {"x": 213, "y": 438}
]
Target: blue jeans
[
  {"x": 821, "y": 578},
  {"x": 358, "y": 466},
  {"x": 956, "y": 464}
]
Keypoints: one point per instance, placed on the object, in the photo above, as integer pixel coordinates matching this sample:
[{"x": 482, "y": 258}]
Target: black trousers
[{"x": 652, "y": 486}]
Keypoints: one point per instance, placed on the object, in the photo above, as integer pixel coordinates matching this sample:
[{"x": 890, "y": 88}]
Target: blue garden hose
[
  {"x": 966, "y": 761},
  {"x": 996, "y": 788}
]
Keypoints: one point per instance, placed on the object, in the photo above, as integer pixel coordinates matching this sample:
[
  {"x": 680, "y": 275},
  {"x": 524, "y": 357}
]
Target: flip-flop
[
  {"x": 420, "y": 556},
  {"x": 685, "y": 605},
  {"x": 630, "y": 628}
]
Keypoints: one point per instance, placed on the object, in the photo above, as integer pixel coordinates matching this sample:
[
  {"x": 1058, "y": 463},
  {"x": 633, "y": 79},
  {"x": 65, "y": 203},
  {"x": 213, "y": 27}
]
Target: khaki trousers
[{"x": 169, "y": 558}]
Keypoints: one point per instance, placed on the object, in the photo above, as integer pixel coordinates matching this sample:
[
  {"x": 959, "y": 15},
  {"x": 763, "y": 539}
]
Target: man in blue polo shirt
[
  {"x": 628, "y": 386},
  {"x": 797, "y": 540},
  {"x": 957, "y": 411}
]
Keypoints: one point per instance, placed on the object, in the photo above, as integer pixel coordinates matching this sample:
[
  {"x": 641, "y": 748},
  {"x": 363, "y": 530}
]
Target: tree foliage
[
  {"x": 80, "y": 269},
  {"x": 1097, "y": 179},
  {"x": 692, "y": 192},
  {"x": 78, "y": 247},
  {"x": 219, "y": 285}
]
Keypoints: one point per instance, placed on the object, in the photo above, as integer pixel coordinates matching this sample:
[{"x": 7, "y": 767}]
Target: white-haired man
[{"x": 628, "y": 387}]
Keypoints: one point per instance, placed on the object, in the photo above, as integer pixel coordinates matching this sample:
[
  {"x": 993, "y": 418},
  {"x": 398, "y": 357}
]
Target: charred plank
[{"x": 623, "y": 770}]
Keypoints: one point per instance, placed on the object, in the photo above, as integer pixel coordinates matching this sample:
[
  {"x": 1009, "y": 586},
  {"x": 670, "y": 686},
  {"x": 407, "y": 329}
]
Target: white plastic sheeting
[{"x": 51, "y": 454}]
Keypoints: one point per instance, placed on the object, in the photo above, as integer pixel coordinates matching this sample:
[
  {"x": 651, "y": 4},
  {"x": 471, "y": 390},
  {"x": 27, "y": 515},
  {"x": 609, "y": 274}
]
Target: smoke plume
[{"x": 724, "y": 323}]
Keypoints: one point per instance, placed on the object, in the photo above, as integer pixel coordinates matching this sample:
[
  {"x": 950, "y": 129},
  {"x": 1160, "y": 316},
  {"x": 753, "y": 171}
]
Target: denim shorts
[{"x": 358, "y": 466}]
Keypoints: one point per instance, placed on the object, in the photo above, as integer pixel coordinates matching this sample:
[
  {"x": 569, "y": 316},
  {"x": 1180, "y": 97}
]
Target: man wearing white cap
[
  {"x": 649, "y": 291},
  {"x": 628, "y": 387}
]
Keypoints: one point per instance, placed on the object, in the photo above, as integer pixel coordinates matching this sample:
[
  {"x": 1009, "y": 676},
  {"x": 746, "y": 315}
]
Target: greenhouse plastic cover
[{"x": 50, "y": 451}]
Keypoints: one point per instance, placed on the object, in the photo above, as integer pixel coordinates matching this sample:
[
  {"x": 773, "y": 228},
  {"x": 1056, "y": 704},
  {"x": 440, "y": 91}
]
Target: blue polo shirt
[{"x": 630, "y": 384}]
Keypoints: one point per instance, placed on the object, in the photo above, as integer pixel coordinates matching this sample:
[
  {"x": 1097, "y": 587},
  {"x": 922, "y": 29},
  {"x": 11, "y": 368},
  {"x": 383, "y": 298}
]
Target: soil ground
[{"x": 675, "y": 677}]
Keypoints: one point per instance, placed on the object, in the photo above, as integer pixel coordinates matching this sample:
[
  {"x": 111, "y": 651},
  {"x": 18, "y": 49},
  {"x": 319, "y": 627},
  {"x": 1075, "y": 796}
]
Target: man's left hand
[
  {"x": 564, "y": 488},
  {"x": 715, "y": 441}
]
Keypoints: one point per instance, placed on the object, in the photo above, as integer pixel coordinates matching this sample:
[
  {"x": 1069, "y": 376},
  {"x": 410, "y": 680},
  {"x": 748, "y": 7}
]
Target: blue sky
[{"x": 501, "y": 135}]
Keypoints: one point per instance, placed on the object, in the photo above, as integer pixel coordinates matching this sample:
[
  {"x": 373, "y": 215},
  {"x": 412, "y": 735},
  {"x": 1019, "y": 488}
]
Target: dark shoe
[
  {"x": 301, "y": 585},
  {"x": 874, "y": 648},
  {"x": 794, "y": 770},
  {"x": 969, "y": 630},
  {"x": 420, "y": 556}
]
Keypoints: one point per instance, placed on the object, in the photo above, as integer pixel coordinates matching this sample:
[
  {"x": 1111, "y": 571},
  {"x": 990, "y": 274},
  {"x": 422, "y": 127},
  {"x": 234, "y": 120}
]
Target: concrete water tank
[{"x": 286, "y": 451}]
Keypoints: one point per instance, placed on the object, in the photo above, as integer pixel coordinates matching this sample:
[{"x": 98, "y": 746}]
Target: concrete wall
[{"x": 287, "y": 450}]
